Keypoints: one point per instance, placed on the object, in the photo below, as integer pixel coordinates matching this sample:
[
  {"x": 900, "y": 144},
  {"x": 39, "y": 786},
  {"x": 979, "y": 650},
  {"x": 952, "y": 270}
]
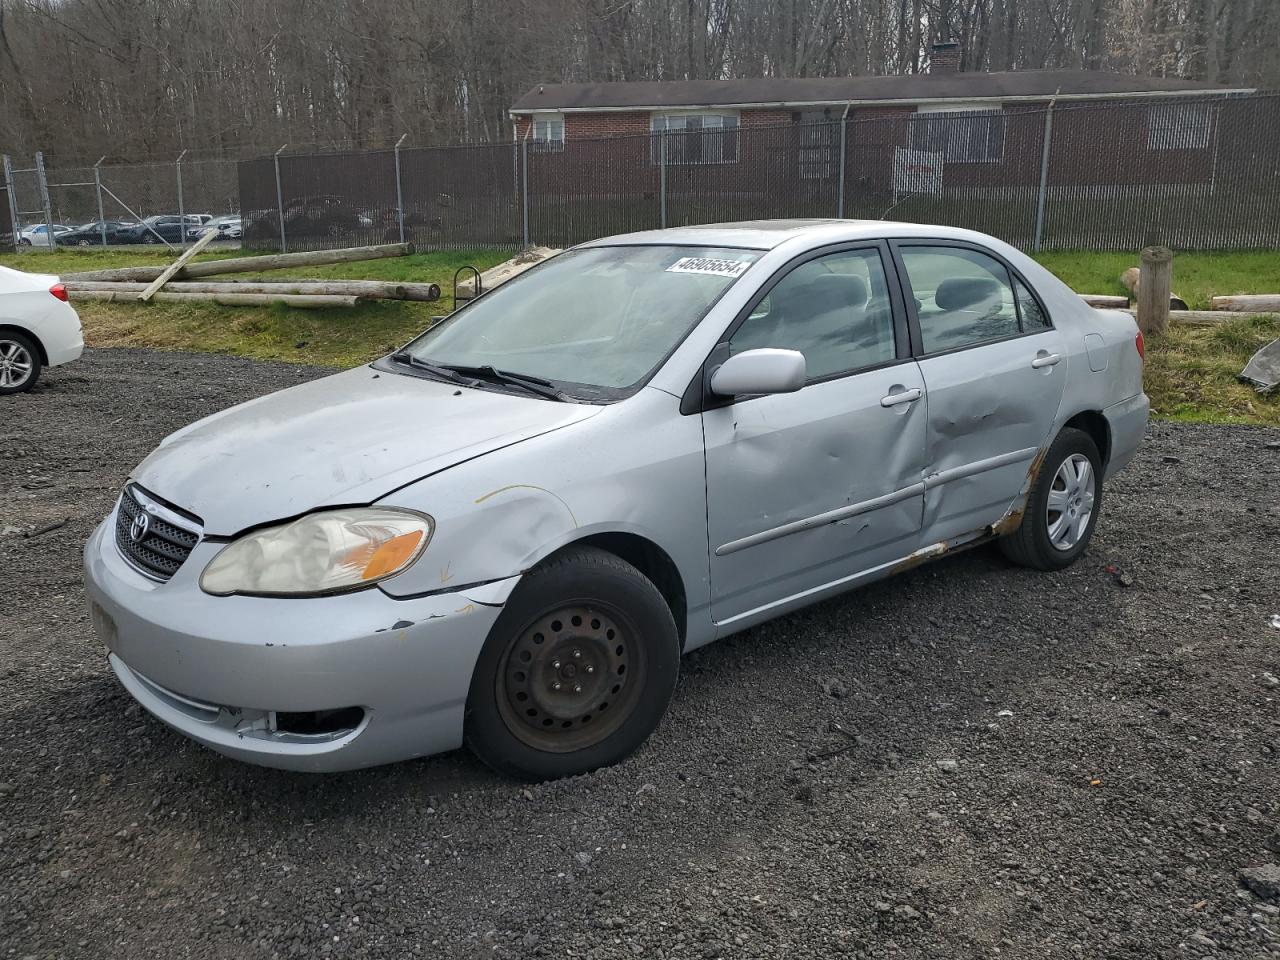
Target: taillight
[
  {"x": 59, "y": 290},
  {"x": 1142, "y": 347}
]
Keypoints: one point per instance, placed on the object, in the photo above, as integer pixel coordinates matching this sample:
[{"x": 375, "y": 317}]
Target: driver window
[{"x": 833, "y": 309}]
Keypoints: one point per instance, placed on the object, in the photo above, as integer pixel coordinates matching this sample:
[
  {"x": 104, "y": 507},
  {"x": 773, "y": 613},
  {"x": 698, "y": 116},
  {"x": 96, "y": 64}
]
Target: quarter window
[
  {"x": 833, "y": 309},
  {"x": 963, "y": 297},
  {"x": 1030, "y": 312}
]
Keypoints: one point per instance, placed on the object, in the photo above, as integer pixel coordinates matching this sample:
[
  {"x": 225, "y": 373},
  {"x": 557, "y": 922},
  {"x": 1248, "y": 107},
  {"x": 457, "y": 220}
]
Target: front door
[
  {"x": 993, "y": 371},
  {"x": 808, "y": 488}
]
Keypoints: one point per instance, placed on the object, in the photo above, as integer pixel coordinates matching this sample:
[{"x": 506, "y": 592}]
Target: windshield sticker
[{"x": 709, "y": 265}]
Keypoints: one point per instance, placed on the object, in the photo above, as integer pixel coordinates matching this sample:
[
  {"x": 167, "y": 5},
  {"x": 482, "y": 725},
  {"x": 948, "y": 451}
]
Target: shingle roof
[{"x": 806, "y": 90}]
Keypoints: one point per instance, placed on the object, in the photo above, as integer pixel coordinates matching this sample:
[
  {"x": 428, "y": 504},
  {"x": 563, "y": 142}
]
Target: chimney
[{"x": 944, "y": 57}]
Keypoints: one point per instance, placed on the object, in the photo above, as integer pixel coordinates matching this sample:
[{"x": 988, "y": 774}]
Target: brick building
[{"x": 985, "y": 129}]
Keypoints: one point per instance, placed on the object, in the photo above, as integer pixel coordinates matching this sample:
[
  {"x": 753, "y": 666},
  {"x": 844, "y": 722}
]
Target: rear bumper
[
  {"x": 221, "y": 670},
  {"x": 1127, "y": 421},
  {"x": 61, "y": 334}
]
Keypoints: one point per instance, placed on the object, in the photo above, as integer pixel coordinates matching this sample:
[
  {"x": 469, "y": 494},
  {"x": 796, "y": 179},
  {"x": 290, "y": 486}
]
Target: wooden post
[
  {"x": 1155, "y": 282},
  {"x": 178, "y": 264}
]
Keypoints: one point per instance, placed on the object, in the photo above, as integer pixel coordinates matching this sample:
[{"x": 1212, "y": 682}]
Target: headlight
[{"x": 328, "y": 552}]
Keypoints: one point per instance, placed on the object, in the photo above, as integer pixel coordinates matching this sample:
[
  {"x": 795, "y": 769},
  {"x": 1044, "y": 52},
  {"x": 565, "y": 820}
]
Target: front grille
[{"x": 153, "y": 536}]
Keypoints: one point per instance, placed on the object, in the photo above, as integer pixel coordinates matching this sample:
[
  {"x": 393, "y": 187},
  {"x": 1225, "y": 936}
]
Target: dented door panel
[
  {"x": 806, "y": 488},
  {"x": 990, "y": 412}
]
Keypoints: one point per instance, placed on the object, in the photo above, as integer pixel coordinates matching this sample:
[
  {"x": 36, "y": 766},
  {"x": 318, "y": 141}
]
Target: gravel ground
[{"x": 968, "y": 761}]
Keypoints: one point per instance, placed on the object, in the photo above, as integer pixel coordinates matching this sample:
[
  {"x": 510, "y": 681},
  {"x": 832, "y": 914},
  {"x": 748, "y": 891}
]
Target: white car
[
  {"x": 38, "y": 328},
  {"x": 37, "y": 235}
]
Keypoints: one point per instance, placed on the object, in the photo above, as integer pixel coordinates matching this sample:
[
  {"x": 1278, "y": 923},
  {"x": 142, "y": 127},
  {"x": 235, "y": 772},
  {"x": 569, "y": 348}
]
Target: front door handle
[
  {"x": 1045, "y": 360},
  {"x": 903, "y": 396}
]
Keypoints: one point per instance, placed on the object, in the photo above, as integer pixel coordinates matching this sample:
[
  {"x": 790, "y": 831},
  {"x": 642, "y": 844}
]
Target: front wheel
[
  {"x": 576, "y": 672},
  {"x": 1062, "y": 507}
]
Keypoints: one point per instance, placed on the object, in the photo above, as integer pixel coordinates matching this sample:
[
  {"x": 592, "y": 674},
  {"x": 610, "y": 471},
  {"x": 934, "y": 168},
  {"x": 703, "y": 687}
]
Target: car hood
[{"x": 347, "y": 439}]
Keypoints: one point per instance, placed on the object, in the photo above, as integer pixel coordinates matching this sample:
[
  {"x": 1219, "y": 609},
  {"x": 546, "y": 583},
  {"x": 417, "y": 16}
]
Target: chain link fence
[
  {"x": 1195, "y": 174},
  {"x": 117, "y": 193}
]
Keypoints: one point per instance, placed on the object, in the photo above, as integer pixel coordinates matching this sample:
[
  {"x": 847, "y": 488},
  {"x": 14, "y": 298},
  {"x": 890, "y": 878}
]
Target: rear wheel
[
  {"x": 19, "y": 362},
  {"x": 577, "y": 671},
  {"x": 1062, "y": 507}
]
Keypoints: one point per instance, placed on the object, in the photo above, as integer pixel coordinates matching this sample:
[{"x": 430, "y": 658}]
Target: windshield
[{"x": 593, "y": 322}]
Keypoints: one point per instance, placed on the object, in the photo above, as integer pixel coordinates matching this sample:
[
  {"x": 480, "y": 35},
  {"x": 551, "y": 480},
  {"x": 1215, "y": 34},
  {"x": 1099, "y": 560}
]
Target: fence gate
[{"x": 28, "y": 194}]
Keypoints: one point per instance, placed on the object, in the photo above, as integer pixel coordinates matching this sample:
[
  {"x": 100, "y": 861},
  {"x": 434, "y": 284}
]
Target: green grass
[
  {"x": 1197, "y": 276},
  {"x": 1191, "y": 372},
  {"x": 340, "y": 336}
]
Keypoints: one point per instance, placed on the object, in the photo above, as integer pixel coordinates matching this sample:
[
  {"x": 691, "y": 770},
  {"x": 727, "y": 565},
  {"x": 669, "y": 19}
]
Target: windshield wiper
[
  {"x": 444, "y": 373},
  {"x": 544, "y": 388}
]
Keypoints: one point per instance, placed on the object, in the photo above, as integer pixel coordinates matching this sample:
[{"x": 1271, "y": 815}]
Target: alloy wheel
[
  {"x": 571, "y": 678},
  {"x": 16, "y": 364},
  {"x": 1070, "y": 503}
]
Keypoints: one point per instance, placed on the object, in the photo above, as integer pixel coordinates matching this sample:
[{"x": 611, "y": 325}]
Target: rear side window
[{"x": 963, "y": 297}]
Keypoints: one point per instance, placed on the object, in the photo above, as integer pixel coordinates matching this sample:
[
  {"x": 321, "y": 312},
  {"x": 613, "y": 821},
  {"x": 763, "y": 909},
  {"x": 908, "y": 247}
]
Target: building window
[
  {"x": 819, "y": 144},
  {"x": 960, "y": 135},
  {"x": 548, "y": 133},
  {"x": 1179, "y": 126},
  {"x": 695, "y": 137}
]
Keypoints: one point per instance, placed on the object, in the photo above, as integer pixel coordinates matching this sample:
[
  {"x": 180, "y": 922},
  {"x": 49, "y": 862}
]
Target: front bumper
[{"x": 221, "y": 669}]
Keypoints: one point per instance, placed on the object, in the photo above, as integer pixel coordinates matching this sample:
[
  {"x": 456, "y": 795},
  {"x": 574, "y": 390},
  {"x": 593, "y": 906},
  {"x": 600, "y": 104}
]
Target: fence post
[
  {"x": 182, "y": 207},
  {"x": 1044, "y": 174},
  {"x": 1155, "y": 283},
  {"x": 399, "y": 192},
  {"x": 44, "y": 197},
  {"x": 844, "y": 126},
  {"x": 97, "y": 190},
  {"x": 662, "y": 179},
  {"x": 13, "y": 204},
  {"x": 284, "y": 243},
  {"x": 524, "y": 184}
]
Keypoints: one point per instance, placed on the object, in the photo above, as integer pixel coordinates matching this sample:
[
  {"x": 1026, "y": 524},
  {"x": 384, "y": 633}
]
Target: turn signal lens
[
  {"x": 392, "y": 555},
  {"x": 1141, "y": 345}
]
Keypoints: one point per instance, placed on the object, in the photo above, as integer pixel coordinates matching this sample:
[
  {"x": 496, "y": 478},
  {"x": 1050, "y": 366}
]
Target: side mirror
[{"x": 766, "y": 370}]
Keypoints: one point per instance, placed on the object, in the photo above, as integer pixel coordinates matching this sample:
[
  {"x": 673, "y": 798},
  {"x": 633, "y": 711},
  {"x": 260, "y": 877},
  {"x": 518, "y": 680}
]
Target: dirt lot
[{"x": 969, "y": 761}]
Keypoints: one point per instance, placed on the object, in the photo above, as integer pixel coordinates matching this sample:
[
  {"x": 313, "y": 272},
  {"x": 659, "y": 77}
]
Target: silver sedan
[{"x": 507, "y": 532}]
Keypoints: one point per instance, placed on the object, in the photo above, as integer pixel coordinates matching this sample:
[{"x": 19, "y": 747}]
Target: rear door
[
  {"x": 805, "y": 489},
  {"x": 993, "y": 371}
]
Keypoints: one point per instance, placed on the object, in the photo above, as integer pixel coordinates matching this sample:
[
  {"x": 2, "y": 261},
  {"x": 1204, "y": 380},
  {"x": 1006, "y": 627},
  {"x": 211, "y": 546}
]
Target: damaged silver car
[{"x": 507, "y": 532}]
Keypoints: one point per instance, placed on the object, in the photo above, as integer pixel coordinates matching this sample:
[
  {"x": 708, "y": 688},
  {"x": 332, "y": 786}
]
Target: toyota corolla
[{"x": 507, "y": 532}]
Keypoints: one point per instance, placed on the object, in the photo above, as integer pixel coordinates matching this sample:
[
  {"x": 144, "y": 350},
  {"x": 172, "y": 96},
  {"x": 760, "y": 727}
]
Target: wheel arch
[
  {"x": 652, "y": 561},
  {"x": 1095, "y": 425},
  {"x": 29, "y": 334}
]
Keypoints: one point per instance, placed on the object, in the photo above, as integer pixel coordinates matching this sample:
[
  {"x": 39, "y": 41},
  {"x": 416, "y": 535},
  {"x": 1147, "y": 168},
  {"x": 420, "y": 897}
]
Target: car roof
[{"x": 767, "y": 234}]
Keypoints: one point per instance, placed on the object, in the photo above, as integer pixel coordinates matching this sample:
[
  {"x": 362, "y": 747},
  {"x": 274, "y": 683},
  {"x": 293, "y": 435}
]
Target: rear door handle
[
  {"x": 904, "y": 396},
  {"x": 1045, "y": 360}
]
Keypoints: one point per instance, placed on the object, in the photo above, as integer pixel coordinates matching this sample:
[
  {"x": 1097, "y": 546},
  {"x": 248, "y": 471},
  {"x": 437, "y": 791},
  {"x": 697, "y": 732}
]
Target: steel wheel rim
[
  {"x": 571, "y": 678},
  {"x": 15, "y": 364},
  {"x": 1070, "y": 503}
]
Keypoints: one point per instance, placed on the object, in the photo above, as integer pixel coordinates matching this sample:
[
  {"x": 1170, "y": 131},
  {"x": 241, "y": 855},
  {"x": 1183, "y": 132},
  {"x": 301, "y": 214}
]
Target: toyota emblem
[{"x": 138, "y": 529}]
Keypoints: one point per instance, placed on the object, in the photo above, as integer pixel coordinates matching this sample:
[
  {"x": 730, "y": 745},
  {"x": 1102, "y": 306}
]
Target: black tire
[
  {"x": 1030, "y": 544},
  {"x": 25, "y": 347},
  {"x": 619, "y": 621}
]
